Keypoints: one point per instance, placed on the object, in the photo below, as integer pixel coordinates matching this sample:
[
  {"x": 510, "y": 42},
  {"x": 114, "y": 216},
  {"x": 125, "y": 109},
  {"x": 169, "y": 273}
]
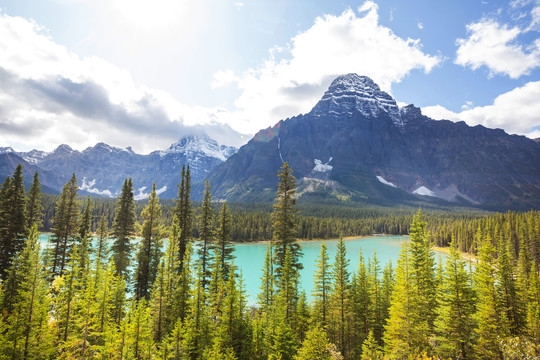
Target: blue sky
[{"x": 145, "y": 73}]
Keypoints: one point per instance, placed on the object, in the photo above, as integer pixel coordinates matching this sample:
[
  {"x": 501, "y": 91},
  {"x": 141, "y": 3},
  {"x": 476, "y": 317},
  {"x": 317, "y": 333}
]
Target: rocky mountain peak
[
  {"x": 351, "y": 92},
  {"x": 200, "y": 145}
]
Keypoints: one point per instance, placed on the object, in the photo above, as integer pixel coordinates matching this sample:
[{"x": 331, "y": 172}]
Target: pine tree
[
  {"x": 224, "y": 247},
  {"x": 206, "y": 236},
  {"x": 322, "y": 281},
  {"x": 284, "y": 221},
  {"x": 85, "y": 235},
  {"x": 123, "y": 229},
  {"x": 533, "y": 308},
  {"x": 138, "y": 344},
  {"x": 13, "y": 220},
  {"x": 492, "y": 323},
  {"x": 361, "y": 305},
  {"x": 150, "y": 247},
  {"x": 371, "y": 349},
  {"x": 34, "y": 206},
  {"x": 65, "y": 226},
  {"x": 28, "y": 335},
  {"x": 266, "y": 296},
  {"x": 340, "y": 304},
  {"x": 316, "y": 346},
  {"x": 455, "y": 324},
  {"x": 399, "y": 334},
  {"x": 102, "y": 248},
  {"x": 183, "y": 213}
]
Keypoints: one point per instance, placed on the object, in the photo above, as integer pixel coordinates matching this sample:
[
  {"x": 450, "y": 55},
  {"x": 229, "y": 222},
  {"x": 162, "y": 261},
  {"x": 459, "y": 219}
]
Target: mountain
[
  {"x": 102, "y": 169},
  {"x": 357, "y": 145}
]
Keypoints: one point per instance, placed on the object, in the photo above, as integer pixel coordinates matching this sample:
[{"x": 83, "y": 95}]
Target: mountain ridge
[{"x": 360, "y": 134}]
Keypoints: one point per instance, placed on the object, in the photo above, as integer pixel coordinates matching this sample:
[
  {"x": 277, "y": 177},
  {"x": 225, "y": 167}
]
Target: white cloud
[
  {"x": 535, "y": 19},
  {"x": 517, "y": 112},
  {"x": 495, "y": 46},
  {"x": 419, "y": 25},
  {"x": 223, "y": 78},
  {"x": 50, "y": 95},
  {"x": 292, "y": 79}
]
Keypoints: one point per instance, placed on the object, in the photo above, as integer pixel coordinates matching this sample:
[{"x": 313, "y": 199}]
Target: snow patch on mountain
[
  {"x": 191, "y": 146},
  {"x": 142, "y": 195},
  {"x": 320, "y": 167},
  {"x": 89, "y": 187},
  {"x": 424, "y": 191},
  {"x": 382, "y": 180}
]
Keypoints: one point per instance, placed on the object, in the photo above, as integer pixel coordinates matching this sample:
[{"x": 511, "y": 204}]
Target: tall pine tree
[{"x": 123, "y": 229}]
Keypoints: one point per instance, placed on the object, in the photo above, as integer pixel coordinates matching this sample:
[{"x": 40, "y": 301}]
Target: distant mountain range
[
  {"x": 355, "y": 146},
  {"x": 101, "y": 169}
]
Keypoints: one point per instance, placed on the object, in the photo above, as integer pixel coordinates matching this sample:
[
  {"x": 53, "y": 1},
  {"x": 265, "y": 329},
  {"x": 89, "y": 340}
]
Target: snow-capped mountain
[
  {"x": 102, "y": 169},
  {"x": 357, "y": 145}
]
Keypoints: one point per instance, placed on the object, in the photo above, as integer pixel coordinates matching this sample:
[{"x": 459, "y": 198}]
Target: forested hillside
[{"x": 90, "y": 293}]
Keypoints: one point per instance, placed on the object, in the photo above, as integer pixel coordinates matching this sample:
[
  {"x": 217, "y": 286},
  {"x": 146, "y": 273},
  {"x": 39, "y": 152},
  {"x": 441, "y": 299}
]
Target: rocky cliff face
[
  {"x": 101, "y": 169},
  {"x": 357, "y": 145}
]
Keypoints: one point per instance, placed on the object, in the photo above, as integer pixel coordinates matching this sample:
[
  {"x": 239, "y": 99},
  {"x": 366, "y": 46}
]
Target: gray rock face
[
  {"x": 102, "y": 169},
  {"x": 360, "y": 146}
]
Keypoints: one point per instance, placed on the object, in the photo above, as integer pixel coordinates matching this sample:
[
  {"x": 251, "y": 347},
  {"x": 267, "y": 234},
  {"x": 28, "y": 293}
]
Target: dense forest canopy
[{"x": 95, "y": 293}]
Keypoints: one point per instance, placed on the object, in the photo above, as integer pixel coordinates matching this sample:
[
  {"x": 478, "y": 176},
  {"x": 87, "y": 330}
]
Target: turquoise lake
[{"x": 250, "y": 258}]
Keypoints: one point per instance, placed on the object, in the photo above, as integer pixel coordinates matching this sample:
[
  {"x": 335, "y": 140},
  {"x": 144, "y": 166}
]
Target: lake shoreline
[{"x": 318, "y": 239}]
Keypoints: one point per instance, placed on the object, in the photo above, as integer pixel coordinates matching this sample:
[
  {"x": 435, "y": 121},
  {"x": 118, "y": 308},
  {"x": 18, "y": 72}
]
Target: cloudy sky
[{"x": 145, "y": 73}]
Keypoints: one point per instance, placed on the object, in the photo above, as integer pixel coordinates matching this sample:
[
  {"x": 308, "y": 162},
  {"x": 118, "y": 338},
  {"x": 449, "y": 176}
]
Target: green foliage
[
  {"x": 123, "y": 229},
  {"x": 65, "y": 228},
  {"x": 13, "y": 219}
]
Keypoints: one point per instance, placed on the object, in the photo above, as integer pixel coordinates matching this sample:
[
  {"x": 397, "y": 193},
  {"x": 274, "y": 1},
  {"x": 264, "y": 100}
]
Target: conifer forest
[{"x": 157, "y": 279}]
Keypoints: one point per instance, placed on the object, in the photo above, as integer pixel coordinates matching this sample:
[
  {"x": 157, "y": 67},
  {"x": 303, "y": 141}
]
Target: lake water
[{"x": 250, "y": 258}]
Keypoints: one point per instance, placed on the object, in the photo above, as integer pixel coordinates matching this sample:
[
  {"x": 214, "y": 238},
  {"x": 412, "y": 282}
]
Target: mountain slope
[{"x": 356, "y": 144}]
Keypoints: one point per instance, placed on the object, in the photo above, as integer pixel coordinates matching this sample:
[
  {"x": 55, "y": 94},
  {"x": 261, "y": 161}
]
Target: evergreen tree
[
  {"x": 13, "y": 220},
  {"x": 28, "y": 336},
  {"x": 491, "y": 321},
  {"x": 322, "y": 281},
  {"x": 34, "y": 207},
  {"x": 150, "y": 247},
  {"x": 224, "y": 247},
  {"x": 206, "y": 235},
  {"x": 361, "y": 305},
  {"x": 340, "y": 300},
  {"x": 183, "y": 213},
  {"x": 65, "y": 227},
  {"x": 316, "y": 346},
  {"x": 85, "y": 235},
  {"x": 102, "y": 248},
  {"x": 399, "y": 336},
  {"x": 533, "y": 308},
  {"x": 455, "y": 324},
  {"x": 371, "y": 349},
  {"x": 123, "y": 229},
  {"x": 266, "y": 296},
  {"x": 284, "y": 221}
]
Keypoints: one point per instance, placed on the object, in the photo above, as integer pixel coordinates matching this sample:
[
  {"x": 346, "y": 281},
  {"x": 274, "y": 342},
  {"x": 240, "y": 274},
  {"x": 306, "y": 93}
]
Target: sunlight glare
[{"x": 155, "y": 13}]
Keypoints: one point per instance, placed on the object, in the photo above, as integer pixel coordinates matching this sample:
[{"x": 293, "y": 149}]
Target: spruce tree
[
  {"x": 123, "y": 229},
  {"x": 266, "y": 296},
  {"x": 184, "y": 214},
  {"x": 206, "y": 235},
  {"x": 316, "y": 346},
  {"x": 224, "y": 247},
  {"x": 150, "y": 247},
  {"x": 361, "y": 305},
  {"x": 34, "y": 206},
  {"x": 340, "y": 300},
  {"x": 491, "y": 321},
  {"x": 65, "y": 228},
  {"x": 102, "y": 248},
  {"x": 454, "y": 325},
  {"x": 13, "y": 220},
  {"x": 322, "y": 281},
  {"x": 28, "y": 335},
  {"x": 284, "y": 223}
]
